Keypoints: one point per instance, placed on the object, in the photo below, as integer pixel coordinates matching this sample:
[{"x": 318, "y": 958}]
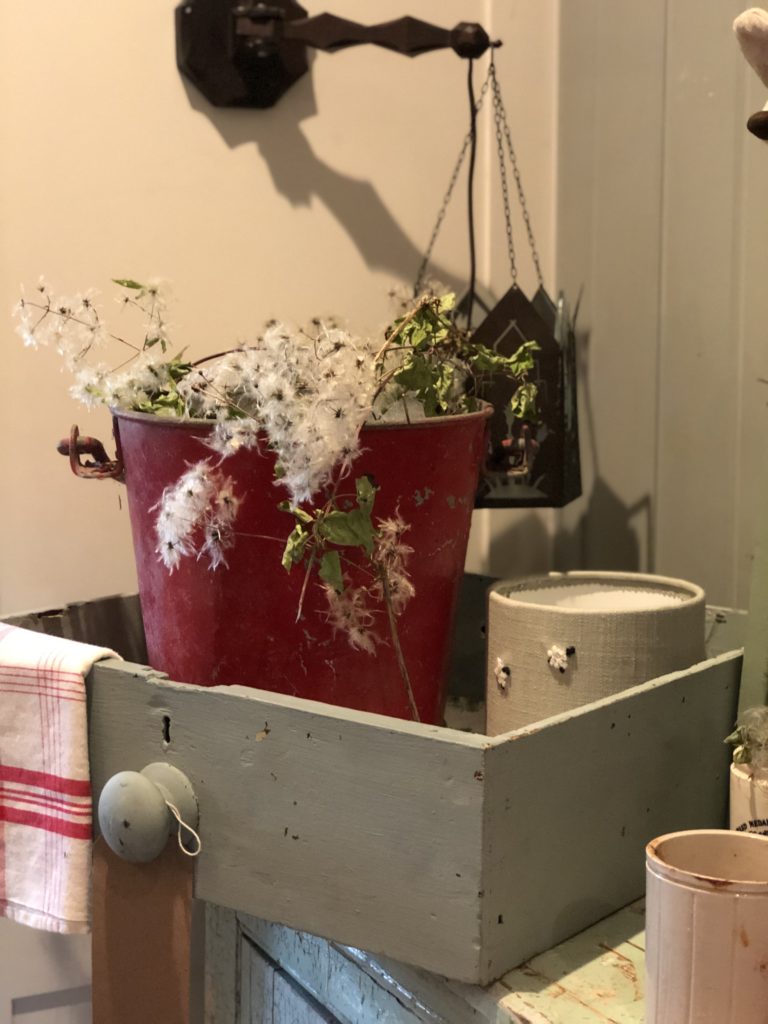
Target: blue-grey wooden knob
[{"x": 134, "y": 816}]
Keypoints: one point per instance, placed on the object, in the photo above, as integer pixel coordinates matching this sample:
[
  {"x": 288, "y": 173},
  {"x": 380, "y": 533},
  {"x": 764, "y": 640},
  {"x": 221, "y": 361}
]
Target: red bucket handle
[{"x": 101, "y": 468}]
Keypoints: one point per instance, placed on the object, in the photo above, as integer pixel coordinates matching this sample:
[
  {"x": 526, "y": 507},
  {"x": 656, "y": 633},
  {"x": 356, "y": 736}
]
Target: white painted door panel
[{"x": 662, "y": 221}]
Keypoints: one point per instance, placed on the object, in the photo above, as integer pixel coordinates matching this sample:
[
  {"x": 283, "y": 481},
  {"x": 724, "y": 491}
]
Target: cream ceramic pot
[
  {"x": 749, "y": 799},
  {"x": 706, "y": 946},
  {"x": 558, "y": 642}
]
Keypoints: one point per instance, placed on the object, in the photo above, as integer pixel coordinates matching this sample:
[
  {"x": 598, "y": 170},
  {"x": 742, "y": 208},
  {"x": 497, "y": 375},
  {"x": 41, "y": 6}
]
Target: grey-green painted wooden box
[{"x": 457, "y": 852}]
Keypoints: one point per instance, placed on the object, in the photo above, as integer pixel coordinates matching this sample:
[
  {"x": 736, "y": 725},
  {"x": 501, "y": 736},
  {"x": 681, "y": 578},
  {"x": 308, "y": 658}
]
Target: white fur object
[
  {"x": 572, "y": 638},
  {"x": 751, "y": 30}
]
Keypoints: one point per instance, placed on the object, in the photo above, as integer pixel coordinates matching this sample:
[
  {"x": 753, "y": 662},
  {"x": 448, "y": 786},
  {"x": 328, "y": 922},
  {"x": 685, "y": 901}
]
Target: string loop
[{"x": 183, "y": 825}]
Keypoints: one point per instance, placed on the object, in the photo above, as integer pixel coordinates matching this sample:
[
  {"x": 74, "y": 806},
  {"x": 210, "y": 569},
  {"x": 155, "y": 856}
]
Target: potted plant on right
[{"x": 749, "y": 772}]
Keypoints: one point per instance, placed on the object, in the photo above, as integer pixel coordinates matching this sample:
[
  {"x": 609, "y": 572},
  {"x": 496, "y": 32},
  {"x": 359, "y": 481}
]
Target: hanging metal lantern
[
  {"x": 532, "y": 464},
  {"x": 535, "y": 463}
]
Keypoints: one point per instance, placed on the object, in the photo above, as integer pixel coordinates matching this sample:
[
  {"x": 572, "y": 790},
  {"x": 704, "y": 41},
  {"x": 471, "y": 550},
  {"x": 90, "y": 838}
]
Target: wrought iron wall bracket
[{"x": 247, "y": 53}]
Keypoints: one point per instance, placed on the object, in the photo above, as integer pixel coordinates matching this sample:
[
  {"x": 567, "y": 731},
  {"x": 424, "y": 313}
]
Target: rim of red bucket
[{"x": 429, "y": 421}]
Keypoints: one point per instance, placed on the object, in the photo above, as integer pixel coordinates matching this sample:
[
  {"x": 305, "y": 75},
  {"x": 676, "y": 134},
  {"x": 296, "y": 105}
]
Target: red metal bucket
[{"x": 237, "y": 624}]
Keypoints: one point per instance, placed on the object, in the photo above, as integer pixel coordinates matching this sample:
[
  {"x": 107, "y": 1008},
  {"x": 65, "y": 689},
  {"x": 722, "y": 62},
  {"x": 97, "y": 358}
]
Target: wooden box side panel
[
  {"x": 341, "y": 824},
  {"x": 113, "y": 622},
  {"x": 570, "y": 805}
]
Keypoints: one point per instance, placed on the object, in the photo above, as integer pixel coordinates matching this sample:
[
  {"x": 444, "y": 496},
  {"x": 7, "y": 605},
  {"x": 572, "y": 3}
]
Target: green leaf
[
  {"x": 301, "y": 514},
  {"x": 366, "y": 492},
  {"x": 444, "y": 385},
  {"x": 126, "y": 282},
  {"x": 349, "y": 529},
  {"x": 417, "y": 375},
  {"x": 330, "y": 570},
  {"x": 522, "y": 360},
  {"x": 735, "y": 738},
  {"x": 295, "y": 547},
  {"x": 523, "y": 403},
  {"x": 418, "y": 336},
  {"x": 485, "y": 360}
]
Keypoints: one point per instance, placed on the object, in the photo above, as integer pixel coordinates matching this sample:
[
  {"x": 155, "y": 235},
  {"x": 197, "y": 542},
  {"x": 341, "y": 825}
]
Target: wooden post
[{"x": 142, "y": 932}]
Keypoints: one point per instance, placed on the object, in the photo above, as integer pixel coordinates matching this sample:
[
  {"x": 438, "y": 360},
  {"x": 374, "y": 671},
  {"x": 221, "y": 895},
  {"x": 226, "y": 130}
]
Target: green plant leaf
[
  {"x": 349, "y": 529},
  {"x": 301, "y": 514},
  {"x": 735, "y": 738},
  {"x": 523, "y": 403},
  {"x": 522, "y": 360},
  {"x": 126, "y": 282},
  {"x": 295, "y": 547},
  {"x": 366, "y": 492},
  {"x": 330, "y": 570},
  {"x": 417, "y": 375}
]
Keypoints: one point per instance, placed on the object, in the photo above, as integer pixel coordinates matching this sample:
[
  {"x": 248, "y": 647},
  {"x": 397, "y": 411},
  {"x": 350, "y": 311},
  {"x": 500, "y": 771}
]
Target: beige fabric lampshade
[{"x": 561, "y": 641}]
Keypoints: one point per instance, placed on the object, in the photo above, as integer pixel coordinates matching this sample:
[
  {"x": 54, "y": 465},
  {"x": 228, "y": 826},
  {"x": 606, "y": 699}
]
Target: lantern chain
[
  {"x": 498, "y": 120},
  {"x": 502, "y": 125},
  {"x": 420, "y": 277},
  {"x": 503, "y": 135}
]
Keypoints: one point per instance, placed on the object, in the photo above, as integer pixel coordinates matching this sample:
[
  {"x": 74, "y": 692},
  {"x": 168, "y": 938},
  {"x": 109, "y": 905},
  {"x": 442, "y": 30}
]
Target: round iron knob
[
  {"x": 136, "y": 812},
  {"x": 469, "y": 39}
]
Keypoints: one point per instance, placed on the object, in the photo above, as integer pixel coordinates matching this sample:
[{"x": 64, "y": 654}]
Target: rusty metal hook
[{"x": 101, "y": 468}]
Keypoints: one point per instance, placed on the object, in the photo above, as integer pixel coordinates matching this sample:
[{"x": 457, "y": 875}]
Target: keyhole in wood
[{"x": 166, "y": 728}]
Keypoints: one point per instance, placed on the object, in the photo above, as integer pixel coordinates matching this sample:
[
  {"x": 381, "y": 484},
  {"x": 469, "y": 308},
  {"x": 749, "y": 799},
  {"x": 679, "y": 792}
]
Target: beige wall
[{"x": 111, "y": 166}]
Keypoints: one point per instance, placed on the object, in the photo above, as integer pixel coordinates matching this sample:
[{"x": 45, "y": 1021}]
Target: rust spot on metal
[
  {"x": 743, "y": 937},
  {"x": 716, "y": 883}
]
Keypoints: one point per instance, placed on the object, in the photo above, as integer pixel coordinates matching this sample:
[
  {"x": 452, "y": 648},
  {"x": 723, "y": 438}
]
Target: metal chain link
[
  {"x": 498, "y": 104},
  {"x": 498, "y": 119},
  {"x": 503, "y": 134},
  {"x": 419, "y": 283}
]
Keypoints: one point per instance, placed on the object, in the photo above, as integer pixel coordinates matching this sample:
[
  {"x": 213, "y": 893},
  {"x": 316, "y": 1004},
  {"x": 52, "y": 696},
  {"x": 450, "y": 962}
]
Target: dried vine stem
[{"x": 396, "y": 645}]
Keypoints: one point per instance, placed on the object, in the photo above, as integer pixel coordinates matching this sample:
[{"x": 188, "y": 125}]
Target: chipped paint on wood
[
  {"x": 346, "y": 824},
  {"x": 460, "y": 854},
  {"x": 584, "y": 845},
  {"x": 595, "y": 978}
]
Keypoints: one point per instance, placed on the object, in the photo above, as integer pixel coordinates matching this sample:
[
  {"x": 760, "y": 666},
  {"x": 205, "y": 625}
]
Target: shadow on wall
[
  {"x": 524, "y": 548},
  {"x": 605, "y": 535},
  {"x": 300, "y": 175}
]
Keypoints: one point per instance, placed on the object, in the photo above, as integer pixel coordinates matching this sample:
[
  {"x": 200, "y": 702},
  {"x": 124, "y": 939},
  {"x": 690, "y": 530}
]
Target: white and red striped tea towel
[{"x": 45, "y": 788}]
